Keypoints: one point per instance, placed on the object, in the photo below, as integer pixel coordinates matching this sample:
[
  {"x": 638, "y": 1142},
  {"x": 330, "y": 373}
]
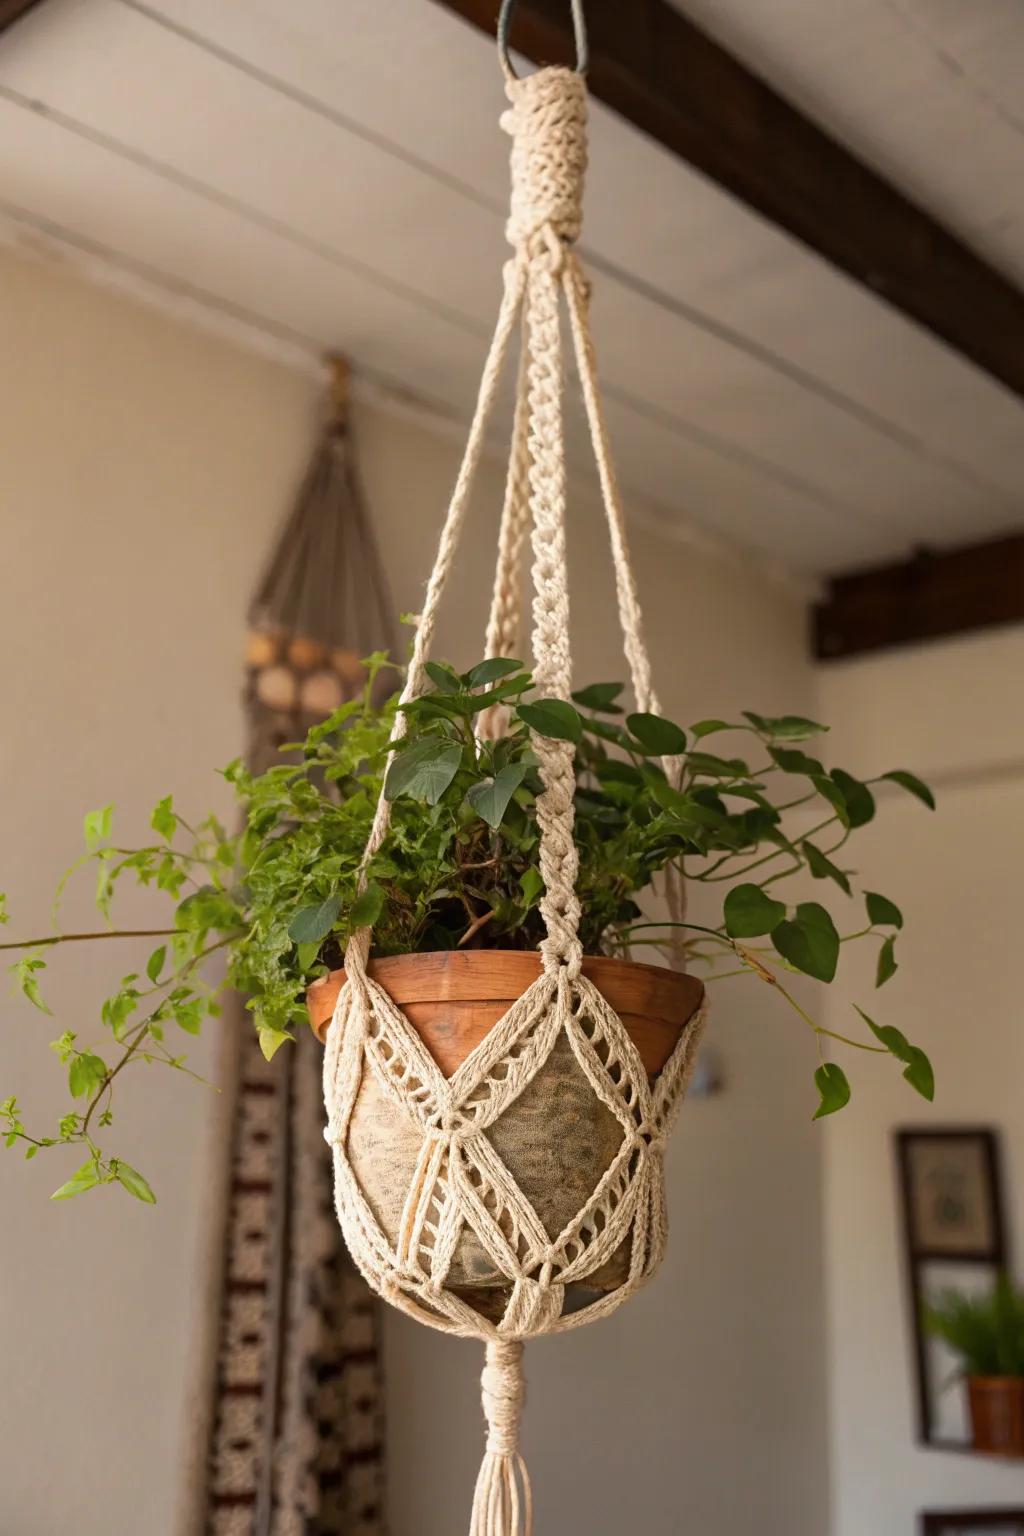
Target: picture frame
[
  {"x": 954, "y": 1237},
  {"x": 952, "y": 1200},
  {"x": 973, "y": 1522}
]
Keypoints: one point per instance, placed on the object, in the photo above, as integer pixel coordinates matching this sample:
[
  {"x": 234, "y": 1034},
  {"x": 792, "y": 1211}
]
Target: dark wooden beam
[
  {"x": 11, "y": 10},
  {"x": 661, "y": 73},
  {"x": 934, "y": 595}
]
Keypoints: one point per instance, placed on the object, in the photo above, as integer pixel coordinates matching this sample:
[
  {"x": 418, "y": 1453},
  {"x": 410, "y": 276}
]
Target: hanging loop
[{"x": 579, "y": 27}]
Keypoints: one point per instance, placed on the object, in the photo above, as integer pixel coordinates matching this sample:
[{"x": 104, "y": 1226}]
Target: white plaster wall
[
  {"x": 142, "y": 469},
  {"x": 951, "y": 711}
]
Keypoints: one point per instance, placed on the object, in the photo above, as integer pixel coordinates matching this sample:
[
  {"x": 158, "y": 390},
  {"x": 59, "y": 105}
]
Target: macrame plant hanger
[{"x": 460, "y": 1184}]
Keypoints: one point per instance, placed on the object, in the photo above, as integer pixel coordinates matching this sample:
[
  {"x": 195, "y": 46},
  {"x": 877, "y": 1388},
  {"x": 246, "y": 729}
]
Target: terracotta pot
[
  {"x": 997, "y": 1414},
  {"x": 453, "y": 997},
  {"x": 557, "y": 1136}
]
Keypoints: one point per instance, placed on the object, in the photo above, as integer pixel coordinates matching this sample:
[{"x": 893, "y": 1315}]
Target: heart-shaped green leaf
[
  {"x": 809, "y": 941},
  {"x": 312, "y": 924},
  {"x": 659, "y": 737},
  {"x": 749, "y": 912},
  {"x": 833, "y": 1089},
  {"x": 553, "y": 718},
  {"x": 491, "y": 670},
  {"x": 599, "y": 696},
  {"x": 367, "y": 906},
  {"x": 918, "y": 1071},
  {"x": 882, "y": 912},
  {"x": 822, "y": 868},
  {"x": 886, "y": 962},
  {"x": 860, "y": 802},
  {"x": 913, "y": 785},
  {"x": 425, "y": 771},
  {"x": 490, "y": 797}
]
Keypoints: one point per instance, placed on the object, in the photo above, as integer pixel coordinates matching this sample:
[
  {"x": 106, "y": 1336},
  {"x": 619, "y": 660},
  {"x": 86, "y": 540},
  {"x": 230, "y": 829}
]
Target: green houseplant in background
[
  {"x": 278, "y": 900},
  {"x": 987, "y": 1332}
]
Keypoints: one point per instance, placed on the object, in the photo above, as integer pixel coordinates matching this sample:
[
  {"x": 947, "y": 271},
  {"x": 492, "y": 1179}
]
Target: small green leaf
[
  {"x": 822, "y": 868},
  {"x": 882, "y": 912},
  {"x": 444, "y": 678},
  {"x": 833, "y": 1089},
  {"x": 5, "y": 916},
  {"x": 87, "y": 1177},
  {"x": 713, "y": 767},
  {"x": 809, "y": 941},
  {"x": 749, "y": 912},
  {"x": 305, "y": 955},
  {"x": 886, "y": 962},
  {"x": 860, "y": 802},
  {"x": 599, "y": 696},
  {"x": 271, "y": 1041},
  {"x": 918, "y": 1072},
  {"x": 155, "y": 963},
  {"x": 784, "y": 727},
  {"x": 367, "y": 906},
  {"x": 163, "y": 819},
  {"x": 913, "y": 785},
  {"x": 134, "y": 1183},
  {"x": 314, "y": 923},
  {"x": 656, "y": 735},
  {"x": 85, "y": 1074},
  {"x": 531, "y": 884},
  {"x": 490, "y": 797},
  {"x": 25, "y": 973},
  {"x": 425, "y": 771},
  {"x": 709, "y": 727},
  {"x": 491, "y": 670},
  {"x": 96, "y": 826},
  {"x": 833, "y": 794},
  {"x": 553, "y": 718},
  {"x": 792, "y": 760}
]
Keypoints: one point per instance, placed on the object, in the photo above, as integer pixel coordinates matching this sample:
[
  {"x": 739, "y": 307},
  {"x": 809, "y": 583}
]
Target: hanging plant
[
  {"x": 501, "y": 831},
  {"x": 279, "y": 901}
]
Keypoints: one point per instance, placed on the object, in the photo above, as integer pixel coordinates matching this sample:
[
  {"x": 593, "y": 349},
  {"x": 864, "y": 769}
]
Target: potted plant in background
[
  {"x": 454, "y": 894},
  {"x": 987, "y": 1332}
]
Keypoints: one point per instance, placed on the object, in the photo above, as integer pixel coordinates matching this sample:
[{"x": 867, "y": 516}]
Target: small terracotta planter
[
  {"x": 453, "y": 997},
  {"x": 557, "y": 1137},
  {"x": 997, "y": 1414}
]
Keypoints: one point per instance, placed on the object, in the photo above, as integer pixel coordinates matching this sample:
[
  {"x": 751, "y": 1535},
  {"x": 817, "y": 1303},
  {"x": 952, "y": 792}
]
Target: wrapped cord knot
[
  {"x": 503, "y": 1504},
  {"x": 548, "y": 124}
]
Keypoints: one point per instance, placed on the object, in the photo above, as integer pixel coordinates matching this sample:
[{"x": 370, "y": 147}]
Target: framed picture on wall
[
  {"x": 974, "y": 1522},
  {"x": 951, "y": 1198},
  {"x": 954, "y": 1239}
]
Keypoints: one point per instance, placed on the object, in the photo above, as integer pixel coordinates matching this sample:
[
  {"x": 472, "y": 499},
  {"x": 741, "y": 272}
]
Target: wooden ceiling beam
[
  {"x": 932, "y": 596},
  {"x": 12, "y": 10},
  {"x": 666, "y": 77}
]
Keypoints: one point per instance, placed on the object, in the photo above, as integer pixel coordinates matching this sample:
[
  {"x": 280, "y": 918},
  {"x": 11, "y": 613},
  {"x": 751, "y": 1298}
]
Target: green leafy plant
[
  {"x": 278, "y": 900},
  {"x": 987, "y": 1332}
]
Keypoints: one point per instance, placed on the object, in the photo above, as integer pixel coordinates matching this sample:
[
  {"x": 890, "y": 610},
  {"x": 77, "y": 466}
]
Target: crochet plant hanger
[{"x": 460, "y": 1184}]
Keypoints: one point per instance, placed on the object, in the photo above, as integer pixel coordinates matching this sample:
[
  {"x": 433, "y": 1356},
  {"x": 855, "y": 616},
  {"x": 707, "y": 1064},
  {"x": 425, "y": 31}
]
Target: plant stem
[{"x": 104, "y": 933}]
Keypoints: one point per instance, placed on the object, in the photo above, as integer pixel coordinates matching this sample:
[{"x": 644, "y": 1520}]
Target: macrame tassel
[{"x": 503, "y": 1504}]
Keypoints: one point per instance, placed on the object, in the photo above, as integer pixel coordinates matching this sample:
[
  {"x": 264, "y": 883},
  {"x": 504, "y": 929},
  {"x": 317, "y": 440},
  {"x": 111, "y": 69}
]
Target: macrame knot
[
  {"x": 548, "y": 124},
  {"x": 504, "y": 1392}
]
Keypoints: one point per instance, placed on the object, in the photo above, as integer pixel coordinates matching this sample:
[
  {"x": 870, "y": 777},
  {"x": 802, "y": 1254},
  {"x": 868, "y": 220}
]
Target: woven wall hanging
[
  {"x": 520, "y": 1190},
  {"x": 288, "y": 1414}
]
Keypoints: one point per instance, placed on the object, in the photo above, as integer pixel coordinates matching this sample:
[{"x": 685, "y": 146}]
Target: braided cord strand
[{"x": 457, "y": 1183}]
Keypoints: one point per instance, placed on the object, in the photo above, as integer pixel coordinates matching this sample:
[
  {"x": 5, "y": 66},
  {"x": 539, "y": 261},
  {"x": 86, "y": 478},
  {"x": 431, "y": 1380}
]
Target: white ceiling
[{"x": 331, "y": 174}]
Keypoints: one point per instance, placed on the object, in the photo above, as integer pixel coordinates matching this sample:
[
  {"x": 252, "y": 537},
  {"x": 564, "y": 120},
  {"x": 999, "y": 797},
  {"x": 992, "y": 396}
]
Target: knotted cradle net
[{"x": 460, "y": 1185}]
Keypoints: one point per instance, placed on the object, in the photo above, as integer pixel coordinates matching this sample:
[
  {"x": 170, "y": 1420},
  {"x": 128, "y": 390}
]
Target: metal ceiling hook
[{"x": 579, "y": 26}]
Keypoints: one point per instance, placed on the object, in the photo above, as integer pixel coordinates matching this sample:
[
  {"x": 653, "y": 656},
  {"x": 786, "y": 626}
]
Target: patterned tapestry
[{"x": 291, "y": 1433}]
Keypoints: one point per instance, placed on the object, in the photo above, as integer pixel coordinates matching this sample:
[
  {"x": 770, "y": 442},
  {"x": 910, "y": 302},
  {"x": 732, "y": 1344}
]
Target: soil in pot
[{"x": 557, "y": 1139}]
